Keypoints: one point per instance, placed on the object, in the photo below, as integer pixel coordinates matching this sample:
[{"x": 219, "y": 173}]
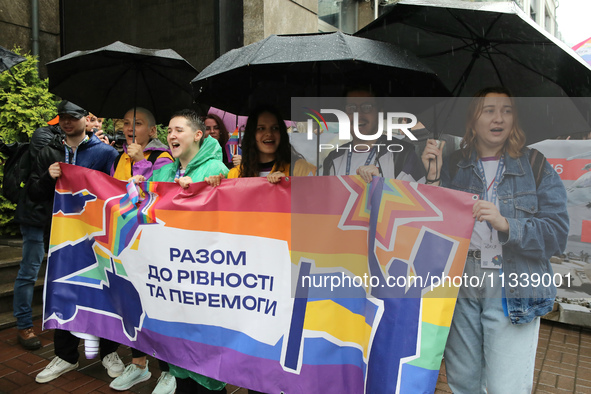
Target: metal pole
[
  {"x": 35, "y": 29},
  {"x": 376, "y": 4}
]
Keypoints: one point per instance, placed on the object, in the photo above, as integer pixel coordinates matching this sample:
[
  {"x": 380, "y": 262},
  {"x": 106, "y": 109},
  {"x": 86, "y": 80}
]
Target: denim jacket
[{"x": 538, "y": 229}]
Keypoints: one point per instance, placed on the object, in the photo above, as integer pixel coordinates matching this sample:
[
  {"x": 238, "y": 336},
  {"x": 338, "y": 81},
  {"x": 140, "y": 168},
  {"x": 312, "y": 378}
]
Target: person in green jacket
[{"x": 196, "y": 158}]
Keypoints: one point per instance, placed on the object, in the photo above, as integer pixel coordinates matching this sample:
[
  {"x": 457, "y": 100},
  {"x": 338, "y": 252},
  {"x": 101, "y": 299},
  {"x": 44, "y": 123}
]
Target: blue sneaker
[
  {"x": 166, "y": 384},
  {"x": 131, "y": 376}
]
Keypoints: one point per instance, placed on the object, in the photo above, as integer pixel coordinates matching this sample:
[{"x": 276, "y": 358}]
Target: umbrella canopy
[
  {"x": 110, "y": 80},
  {"x": 583, "y": 49},
  {"x": 9, "y": 59},
  {"x": 474, "y": 45},
  {"x": 274, "y": 70}
]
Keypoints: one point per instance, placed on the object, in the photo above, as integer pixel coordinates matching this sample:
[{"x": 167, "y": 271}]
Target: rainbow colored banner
[{"x": 315, "y": 284}]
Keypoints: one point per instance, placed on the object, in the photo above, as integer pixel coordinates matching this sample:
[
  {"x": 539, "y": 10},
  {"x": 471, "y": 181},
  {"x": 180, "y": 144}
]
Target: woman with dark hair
[
  {"x": 266, "y": 150},
  {"x": 214, "y": 127},
  {"x": 521, "y": 221}
]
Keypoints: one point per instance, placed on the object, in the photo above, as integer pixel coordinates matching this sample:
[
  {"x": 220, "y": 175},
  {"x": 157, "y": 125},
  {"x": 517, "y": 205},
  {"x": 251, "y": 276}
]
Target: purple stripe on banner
[{"x": 239, "y": 369}]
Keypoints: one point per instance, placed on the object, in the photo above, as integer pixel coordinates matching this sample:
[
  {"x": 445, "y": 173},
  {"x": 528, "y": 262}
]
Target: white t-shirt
[{"x": 481, "y": 232}]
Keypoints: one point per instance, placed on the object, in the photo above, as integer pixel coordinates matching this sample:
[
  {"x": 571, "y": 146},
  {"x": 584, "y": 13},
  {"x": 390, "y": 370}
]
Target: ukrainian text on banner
[{"x": 203, "y": 278}]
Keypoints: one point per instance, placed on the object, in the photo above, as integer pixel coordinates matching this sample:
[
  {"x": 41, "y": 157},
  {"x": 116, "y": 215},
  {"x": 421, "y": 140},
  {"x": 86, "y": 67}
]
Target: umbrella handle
[{"x": 134, "y": 109}]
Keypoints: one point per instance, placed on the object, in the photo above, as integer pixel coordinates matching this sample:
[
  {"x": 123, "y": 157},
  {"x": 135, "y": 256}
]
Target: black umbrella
[
  {"x": 475, "y": 45},
  {"x": 274, "y": 70},
  {"x": 9, "y": 59},
  {"x": 110, "y": 80}
]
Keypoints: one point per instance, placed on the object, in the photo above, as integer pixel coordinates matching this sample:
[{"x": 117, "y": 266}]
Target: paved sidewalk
[
  {"x": 563, "y": 365},
  {"x": 563, "y": 360}
]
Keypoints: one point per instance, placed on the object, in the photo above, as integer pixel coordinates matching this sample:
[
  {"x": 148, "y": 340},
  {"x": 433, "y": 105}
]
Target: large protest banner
[{"x": 315, "y": 284}]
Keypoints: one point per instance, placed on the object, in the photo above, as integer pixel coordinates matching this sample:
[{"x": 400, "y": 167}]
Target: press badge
[{"x": 490, "y": 255}]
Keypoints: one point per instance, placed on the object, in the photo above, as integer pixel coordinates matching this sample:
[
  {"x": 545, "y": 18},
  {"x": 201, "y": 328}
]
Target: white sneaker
[
  {"x": 54, "y": 369},
  {"x": 113, "y": 364},
  {"x": 132, "y": 375},
  {"x": 166, "y": 384}
]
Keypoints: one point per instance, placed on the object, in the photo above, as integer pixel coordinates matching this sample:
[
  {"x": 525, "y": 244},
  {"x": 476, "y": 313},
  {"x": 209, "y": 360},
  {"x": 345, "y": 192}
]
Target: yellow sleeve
[
  {"x": 234, "y": 173},
  {"x": 303, "y": 168},
  {"x": 165, "y": 154}
]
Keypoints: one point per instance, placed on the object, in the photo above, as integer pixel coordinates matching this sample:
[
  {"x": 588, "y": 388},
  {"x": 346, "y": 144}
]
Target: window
[
  {"x": 532, "y": 9},
  {"x": 337, "y": 15},
  {"x": 548, "y": 24}
]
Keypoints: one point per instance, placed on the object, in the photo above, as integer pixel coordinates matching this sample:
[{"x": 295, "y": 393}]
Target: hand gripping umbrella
[{"x": 113, "y": 79}]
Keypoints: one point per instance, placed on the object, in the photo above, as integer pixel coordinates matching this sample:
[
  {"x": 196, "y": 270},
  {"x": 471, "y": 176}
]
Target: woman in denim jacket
[{"x": 494, "y": 333}]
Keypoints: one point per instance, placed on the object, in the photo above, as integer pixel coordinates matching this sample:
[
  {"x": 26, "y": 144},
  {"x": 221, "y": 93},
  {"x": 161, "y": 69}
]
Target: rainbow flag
[
  {"x": 326, "y": 284},
  {"x": 584, "y": 50},
  {"x": 233, "y": 145}
]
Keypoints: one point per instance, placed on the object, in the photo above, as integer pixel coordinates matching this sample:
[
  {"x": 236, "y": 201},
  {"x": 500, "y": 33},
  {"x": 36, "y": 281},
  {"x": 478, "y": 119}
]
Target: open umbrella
[
  {"x": 275, "y": 69},
  {"x": 475, "y": 45},
  {"x": 9, "y": 59},
  {"x": 110, "y": 80}
]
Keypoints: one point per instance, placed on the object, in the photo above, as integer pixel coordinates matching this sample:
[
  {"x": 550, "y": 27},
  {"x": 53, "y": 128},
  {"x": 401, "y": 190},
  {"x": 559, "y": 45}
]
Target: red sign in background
[{"x": 569, "y": 170}]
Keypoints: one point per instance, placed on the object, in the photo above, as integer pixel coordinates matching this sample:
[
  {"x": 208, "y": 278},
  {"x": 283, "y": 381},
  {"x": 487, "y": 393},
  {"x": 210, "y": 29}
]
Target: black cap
[{"x": 66, "y": 107}]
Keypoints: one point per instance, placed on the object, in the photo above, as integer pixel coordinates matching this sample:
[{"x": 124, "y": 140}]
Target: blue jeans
[
  {"x": 24, "y": 285},
  {"x": 484, "y": 350}
]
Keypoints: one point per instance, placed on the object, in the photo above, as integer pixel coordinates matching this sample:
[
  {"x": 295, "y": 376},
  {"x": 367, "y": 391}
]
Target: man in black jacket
[
  {"x": 34, "y": 220},
  {"x": 73, "y": 146}
]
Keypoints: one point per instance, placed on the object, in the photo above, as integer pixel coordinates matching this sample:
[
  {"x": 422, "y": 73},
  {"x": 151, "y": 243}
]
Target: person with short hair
[
  {"x": 145, "y": 153},
  {"x": 142, "y": 154},
  {"x": 74, "y": 146},
  {"x": 196, "y": 159}
]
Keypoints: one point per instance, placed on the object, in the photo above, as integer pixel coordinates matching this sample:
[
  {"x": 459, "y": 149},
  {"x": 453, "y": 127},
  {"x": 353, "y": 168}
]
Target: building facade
[{"x": 543, "y": 12}]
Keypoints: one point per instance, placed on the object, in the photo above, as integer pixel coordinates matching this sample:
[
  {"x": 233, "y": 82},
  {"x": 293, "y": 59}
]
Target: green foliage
[
  {"x": 162, "y": 133},
  {"x": 108, "y": 126},
  {"x": 25, "y": 105}
]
